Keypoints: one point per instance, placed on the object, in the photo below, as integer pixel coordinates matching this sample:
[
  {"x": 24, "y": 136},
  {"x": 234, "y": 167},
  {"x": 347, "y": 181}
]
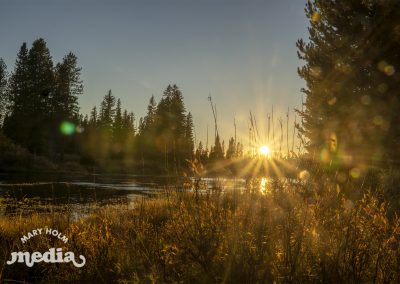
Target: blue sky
[{"x": 241, "y": 52}]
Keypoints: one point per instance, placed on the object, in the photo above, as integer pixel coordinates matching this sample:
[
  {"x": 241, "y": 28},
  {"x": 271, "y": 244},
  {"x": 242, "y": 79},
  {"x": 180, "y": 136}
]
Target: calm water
[{"x": 36, "y": 192}]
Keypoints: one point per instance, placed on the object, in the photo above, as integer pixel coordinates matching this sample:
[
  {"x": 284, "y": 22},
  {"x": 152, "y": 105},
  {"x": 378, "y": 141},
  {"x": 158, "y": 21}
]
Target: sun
[{"x": 264, "y": 150}]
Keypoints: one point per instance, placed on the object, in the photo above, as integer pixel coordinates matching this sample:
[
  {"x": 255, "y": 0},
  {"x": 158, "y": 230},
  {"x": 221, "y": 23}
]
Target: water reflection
[
  {"x": 264, "y": 188},
  {"x": 70, "y": 192},
  {"x": 43, "y": 193}
]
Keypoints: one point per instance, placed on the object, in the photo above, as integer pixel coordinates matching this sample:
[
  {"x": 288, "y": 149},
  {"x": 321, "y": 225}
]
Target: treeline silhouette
[
  {"x": 163, "y": 141},
  {"x": 40, "y": 112},
  {"x": 38, "y": 97}
]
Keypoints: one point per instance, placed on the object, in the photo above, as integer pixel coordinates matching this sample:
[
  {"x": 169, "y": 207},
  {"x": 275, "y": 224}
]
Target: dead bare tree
[
  {"x": 287, "y": 132},
  {"x": 273, "y": 128},
  {"x": 234, "y": 124},
  {"x": 214, "y": 111},
  {"x": 268, "y": 130},
  {"x": 281, "y": 140},
  {"x": 294, "y": 132}
]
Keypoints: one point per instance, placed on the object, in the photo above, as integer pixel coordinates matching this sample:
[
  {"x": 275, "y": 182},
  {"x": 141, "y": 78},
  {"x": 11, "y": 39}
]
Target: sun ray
[{"x": 247, "y": 169}]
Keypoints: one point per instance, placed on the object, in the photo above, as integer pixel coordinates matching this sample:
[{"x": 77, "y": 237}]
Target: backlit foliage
[{"x": 294, "y": 233}]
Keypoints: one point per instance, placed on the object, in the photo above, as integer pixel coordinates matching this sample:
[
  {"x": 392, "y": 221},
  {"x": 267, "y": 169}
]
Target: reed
[{"x": 293, "y": 232}]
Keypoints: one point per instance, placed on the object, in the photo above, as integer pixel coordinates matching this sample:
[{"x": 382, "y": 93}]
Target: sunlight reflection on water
[{"x": 264, "y": 189}]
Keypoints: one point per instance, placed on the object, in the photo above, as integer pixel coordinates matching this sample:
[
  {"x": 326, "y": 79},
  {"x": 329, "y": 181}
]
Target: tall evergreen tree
[
  {"x": 216, "y": 152},
  {"x": 19, "y": 99},
  {"x": 171, "y": 118},
  {"x": 131, "y": 126},
  {"x": 84, "y": 121},
  {"x": 89, "y": 141},
  {"x": 68, "y": 87},
  {"x": 141, "y": 127},
  {"x": 40, "y": 66},
  {"x": 151, "y": 113},
  {"x": 189, "y": 138},
  {"x": 352, "y": 62},
  {"x": 165, "y": 137},
  {"x": 104, "y": 132},
  {"x": 128, "y": 123},
  {"x": 231, "y": 152},
  {"x": 64, "y": 103},
  {"x": 145, "y": 142},
  {"x": 3, "y": 90},
  {"x": 118, "y": 127},
  {"x": 201, "y": 153},
  {"x": 107, "y": 111},
  {"x": 93, "y": 117},
  {"x": 118, "y": 132},
  {"x": 31, "y": 89}
]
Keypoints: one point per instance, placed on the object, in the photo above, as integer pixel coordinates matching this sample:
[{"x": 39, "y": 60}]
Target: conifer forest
[{"x": 200, "y": 142}]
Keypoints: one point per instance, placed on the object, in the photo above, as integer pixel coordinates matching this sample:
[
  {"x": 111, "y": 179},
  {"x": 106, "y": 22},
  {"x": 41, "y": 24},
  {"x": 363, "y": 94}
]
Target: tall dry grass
[{"x": 295, "y": 232}]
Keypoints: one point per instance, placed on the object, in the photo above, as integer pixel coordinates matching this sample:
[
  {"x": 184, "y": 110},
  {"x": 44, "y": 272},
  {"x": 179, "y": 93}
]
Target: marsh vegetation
[
  {"x": 291, "y": 232},
  {"x": 311, "y": 198}
]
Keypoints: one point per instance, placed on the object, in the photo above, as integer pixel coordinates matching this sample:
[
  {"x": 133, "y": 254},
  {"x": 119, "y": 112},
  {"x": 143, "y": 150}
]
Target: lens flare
[
  {"x": 67, "y": 128},
  {"x": 79, "y": 129}
]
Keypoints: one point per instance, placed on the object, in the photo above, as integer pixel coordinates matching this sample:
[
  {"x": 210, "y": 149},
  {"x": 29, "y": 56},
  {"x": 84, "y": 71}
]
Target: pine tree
[
  {"x": 165, "y": 137},
  {"x": 128, "y": 122},
  {"x": 3, "y": 90},
  {"x": 118, "y": 127},
  {"x": 31, "y": 89},
  {"x": 171, "y": 120},
  {"x": 117, "y": 134},
  {"x": 132, "y": 128},
  {"x": 93, "y": 117},
  {"x": 40, "y": 66},
  {"x": 89, "y": 140},
  {"x": 216, "y": 153},
  {"x": 19, "y": 100},
  {"x": 199, "y": 152},
  {"x": 107, "y": 111},
  {"x": 189, "y": 139},
  {"x": 239, "y": 149},
  {"x": 145, "y": 142},
  {"x": 151, "y": 113},
  {"x": 141, "y": 127},
  {"x": 352, "y": 62},
  {"x": 64, "y": 103},
  {"x": 68, "y": 87},
  {"x": 85, "y": 121},
  {"x": 231, "y": 152},
  {"x": 104, "y": 131}
]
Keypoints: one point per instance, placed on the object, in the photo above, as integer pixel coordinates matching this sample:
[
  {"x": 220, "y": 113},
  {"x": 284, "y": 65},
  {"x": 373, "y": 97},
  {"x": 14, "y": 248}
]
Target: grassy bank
[{"x": 288, "y": 233}]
